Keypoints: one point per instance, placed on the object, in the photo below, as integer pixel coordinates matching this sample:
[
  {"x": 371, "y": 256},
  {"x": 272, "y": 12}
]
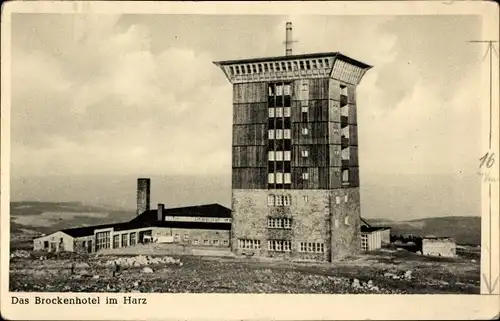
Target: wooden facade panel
[
  {"x": 334, "y": 130},
  {"x": 249, "y": 156},
  {"x": 317, "y": 155},
  {"x": 335, "y": 156},
  {"x": 317, "y": 110},
  {"x": 255, "y": 92},
  {"x": 317, "y": 133},
  {"x": 252, "y": 113},
  {"x": 318, "y": 88},
  {"x": 323, "y": 177},
  {"x": 252, "y": 134},
  {"x": 353, "y": 135},
  {"x": 316, "y": 178},
  {"x": 250, "y": 178},
  {"x": 335, "y": 177},
  {"x": 334, "y": 89},
  {"x": 351, "y": 94},
  {"x": 353, "y": 156},
  {"x": 354, "y": 176},
  {"x": 353, "y": 115},
  {"x": 300, "y": 89},
  {"x": 334, "y": 110}
]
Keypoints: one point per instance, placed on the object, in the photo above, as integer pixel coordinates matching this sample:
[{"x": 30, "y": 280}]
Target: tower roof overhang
[{"x": 314, "y": 65}]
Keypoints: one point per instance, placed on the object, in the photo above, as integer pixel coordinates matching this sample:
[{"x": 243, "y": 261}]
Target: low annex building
[
  {"x": 439, "y": 246},
  {"x": 373, "y": 237},
  {"x": 203, "y": 225}
]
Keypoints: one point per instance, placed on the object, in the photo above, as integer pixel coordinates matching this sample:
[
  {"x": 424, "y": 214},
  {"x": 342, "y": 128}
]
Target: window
[
  {"x": 279, "y": 155},
  {"x": 176, "y": 237},
  {"x": 271, "y": 112},
  {"x": 345, "y": 176},
  {"x": 270, "y": 133},
  {"x": 279, "y": 245},
  {"x": 186, "y": 237},
  {"x": 116, "y": 241},
  {"x": 304, "y": 109},
  {"x": 215, "y": 242},
  {"x": 279, "y": 112},
  {"x": 345, "y": 198},
  {"x": 295, "y": 66},
  {"x": 287, "y": 134},
  {"x": 45, "y": 244},
  {"x": 364, "y": 242},
  {"x": 308, "y": 65},
  {"x": 277, "y": 222},
  {"x": 306, "y": 198},
  {"x": 103, "y": 240},
  {"x": 279, "y": 200},
  {"x": 279, "y": 178},
  {"x": 270, "y": 178},
  {"x": 271, "y": 155},
  {"x": 132, "y": 239},
  {"x": 206, "y": 242},
  {"x": 343, "y": 90},
  {"x": 270, "y": 200},
  {"x": 225, "y": 242},
  {"x": 287, "y": 89},
  {"x": 287, "y": 111},
  {"x": 312, "y": 247},
  {"x": 279, "y": 90},
  {"x": 260, "y": 67},
  {"x": 337, "y": 223},
  {"x": 288, "y": 178},
  {"x": 305, "y": 131},
  {"x": 305, "y": 175},
  {"x": 346, "y": 220},
  {"x": 254, "y": 69},
  {"x": 279, "y": 133},
  {"x": 249, "y": 244},
  {"x": 124, "y": 240},
  {"x": 266, "y": 68},
  {"x": 301, "y": 65},
  {"x": 337, "y": 199},
  {"x": 287, "y": 200},
  {"x": 195, "y": 241},
  {"x": 287, "y": 155},
  {"x": 305, "y": 153}
]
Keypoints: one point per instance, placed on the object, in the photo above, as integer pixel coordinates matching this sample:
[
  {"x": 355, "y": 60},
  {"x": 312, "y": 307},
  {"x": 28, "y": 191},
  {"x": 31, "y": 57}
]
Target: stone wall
[{"x": 313, "y": 214}]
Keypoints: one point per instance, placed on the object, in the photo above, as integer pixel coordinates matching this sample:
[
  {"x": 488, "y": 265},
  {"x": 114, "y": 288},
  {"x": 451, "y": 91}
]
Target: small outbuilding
[
  {"x": 373, "y": 237},
  {"x": 439, "y": 246}
]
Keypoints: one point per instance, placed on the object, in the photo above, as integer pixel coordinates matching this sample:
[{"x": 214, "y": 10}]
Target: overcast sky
[{"x": 139, "y": 94}]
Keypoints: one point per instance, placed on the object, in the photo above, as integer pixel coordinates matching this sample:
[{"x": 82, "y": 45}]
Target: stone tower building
[{"x": 295, "y": 170}]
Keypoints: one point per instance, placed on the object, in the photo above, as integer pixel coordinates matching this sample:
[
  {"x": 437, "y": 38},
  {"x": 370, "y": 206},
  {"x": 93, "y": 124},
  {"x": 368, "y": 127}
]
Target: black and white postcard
[{"x": 249, "y": 160}]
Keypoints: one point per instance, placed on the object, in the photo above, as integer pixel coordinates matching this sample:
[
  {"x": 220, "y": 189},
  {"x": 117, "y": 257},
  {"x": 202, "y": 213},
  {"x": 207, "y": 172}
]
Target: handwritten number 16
[{"x": 488, "y": 160}]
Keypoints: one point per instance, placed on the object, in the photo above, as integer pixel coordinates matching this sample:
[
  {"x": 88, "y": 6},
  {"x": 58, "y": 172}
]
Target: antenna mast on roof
[{"x": 288, "y": 39}]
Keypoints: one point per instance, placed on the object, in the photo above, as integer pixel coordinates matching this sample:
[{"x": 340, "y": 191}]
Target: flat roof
[{"x": 292, "y": 57}]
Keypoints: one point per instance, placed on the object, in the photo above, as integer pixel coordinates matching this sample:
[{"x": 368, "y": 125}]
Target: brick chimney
[
  {"x": 161, "y": 208},
  {"x": 143, "y": 194}
]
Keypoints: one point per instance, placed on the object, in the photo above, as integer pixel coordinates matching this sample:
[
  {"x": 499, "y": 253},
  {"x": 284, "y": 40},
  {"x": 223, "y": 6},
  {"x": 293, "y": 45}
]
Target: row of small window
[
  {"x": 277, "y": 222},
  {"x": 279, "y": 178},
  {"x": 280, "y": 89},
  {"x": 286, "y": 200},
  {"x": 282, "y": 246},
  {"x": 279, "y": 134},
  {"x": 124, "y": 238},
  {"x": 279, "y": 66},
  {"x": 285, "y": 155},
  {"x": 280, "y": 112},
  {"x": 311, "y": 247},
  {"x": 207, "y": 242}
]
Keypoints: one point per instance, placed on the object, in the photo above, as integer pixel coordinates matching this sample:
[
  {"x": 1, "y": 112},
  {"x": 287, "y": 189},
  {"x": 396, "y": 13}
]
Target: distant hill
[
  {"x": 465, "y": 229},
  {"x": 46, "y": 217}
]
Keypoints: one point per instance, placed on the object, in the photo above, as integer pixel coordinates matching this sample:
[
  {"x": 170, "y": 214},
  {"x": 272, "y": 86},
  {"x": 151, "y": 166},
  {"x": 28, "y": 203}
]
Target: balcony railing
[
  {"x": 345, "y": 163},
  {"x": 343, "y": 121}
]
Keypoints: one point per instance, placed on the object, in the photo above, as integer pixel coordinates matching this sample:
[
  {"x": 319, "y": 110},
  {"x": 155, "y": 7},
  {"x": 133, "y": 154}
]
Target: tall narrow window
[
  {"x": 288, "y": 178},
  {"x": 305, "y": 153},
  {"x": 271, "y": 155},
  {"x": 279, "y": 178},
  {"x": 270, "y": 133},
  {"x": 270, "y": 178}
]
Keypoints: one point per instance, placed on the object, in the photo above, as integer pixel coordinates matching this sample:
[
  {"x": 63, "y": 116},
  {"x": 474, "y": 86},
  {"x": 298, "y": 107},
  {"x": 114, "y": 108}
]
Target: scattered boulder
[
  {"x": 369, "y": 283},
  {"x": 95, "y": 277},
  {"x": 375, "y": 288},
  {"x": 395, "y": 277},
  {"x": 355, "y": 283},
  {"x": 147, "y": 270},
  {"x": 408, "y": 275},
  {"x": 419, "y": 252},
  {"x": 20, "y": 254},
  {"x": 389, "y": 275}
]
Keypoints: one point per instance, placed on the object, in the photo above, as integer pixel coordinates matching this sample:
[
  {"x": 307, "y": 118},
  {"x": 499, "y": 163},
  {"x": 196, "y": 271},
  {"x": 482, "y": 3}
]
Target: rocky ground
[{"x": 386, "y": 271}]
